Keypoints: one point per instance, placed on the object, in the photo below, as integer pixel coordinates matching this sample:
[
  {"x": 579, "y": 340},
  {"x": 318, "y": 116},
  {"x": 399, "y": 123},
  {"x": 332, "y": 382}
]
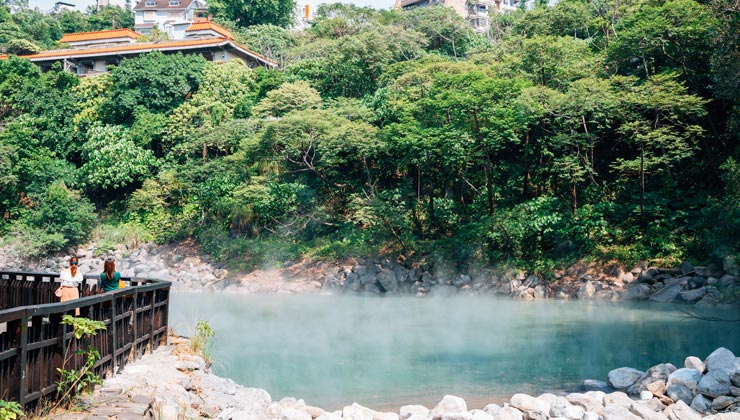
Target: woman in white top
[{"x": 71, "y": 279}]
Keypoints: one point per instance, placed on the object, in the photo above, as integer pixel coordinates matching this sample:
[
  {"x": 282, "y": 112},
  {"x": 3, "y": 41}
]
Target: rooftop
[
  {"x": 162, "y": 4},
  {"x": 98, "y": 35},
  {"x": 205, "y": 25}
]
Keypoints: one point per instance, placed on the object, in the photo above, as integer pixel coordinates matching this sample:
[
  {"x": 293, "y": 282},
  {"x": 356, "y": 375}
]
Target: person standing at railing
[
  {"x": 109, "y": 278},
  {"x": 71, "y": 280}
]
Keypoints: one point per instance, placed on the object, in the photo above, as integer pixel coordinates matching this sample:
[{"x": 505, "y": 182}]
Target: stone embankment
[
  {"x": 190, "y": 270},
  {"x": 180, "y": 386}
]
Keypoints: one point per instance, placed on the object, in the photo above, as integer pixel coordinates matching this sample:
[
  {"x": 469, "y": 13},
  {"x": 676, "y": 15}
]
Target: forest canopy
[{"x": 582, "y": 129}]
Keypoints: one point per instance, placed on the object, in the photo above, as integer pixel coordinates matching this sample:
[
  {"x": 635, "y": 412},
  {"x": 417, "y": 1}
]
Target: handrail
[{"x": 34, "y": 342}]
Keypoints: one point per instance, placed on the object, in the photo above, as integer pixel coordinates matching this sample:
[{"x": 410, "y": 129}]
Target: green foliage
[
  {"x": 22, "y": 47},
  {"x": 112, "y": 160},
  {"x": 722, "y": 215},
  {"x": 155, "y": 81},
  {"x": 202, "y": 341},
  {"x": 57, "y": 217},
  {"x": 110, "y": 236},
  {"x": 254, "y": 12},
  {"x": 74, "y": 382},
  {"x": 11, "y": 410}
]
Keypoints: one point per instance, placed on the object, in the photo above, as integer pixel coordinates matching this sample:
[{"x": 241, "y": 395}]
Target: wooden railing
[{"x": 34, "y": 342}]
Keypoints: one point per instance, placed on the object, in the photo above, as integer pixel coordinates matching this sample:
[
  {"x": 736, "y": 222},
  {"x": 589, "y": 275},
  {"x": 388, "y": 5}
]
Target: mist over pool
[{"x": 391, "y": 351}]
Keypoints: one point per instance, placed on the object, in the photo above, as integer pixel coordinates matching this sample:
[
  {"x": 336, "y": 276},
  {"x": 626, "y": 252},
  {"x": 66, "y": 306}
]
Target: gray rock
[
  {"x": 636, "y": 292},
  {"x": 618, "y": 412},
  {"x": 590, "y": 415},
  {"x": 692, "y": 296},
  {"x": 657, "y": 373},
  {"x": 693, "y": 362},
  {"x": 624, "y": 377},
  {"x": 357, "y": 412},
  {"x": 685, "y": 376},
  {"x": 681, "y": 411},
  {"x": 686, "y": 268},
  {"x": 715, "y": 383},
  {"x": 730, "y": 265},
  {"x": 647, "y": 276},
  {"x": 594, "y": 385},
  {"x": 408, "y": 410},
  {"x": 721, "y": 358},
  {"x": 720, "y": 403},
  {"x": 701, "y": 403},
  {"x": 449, "y": 404},
  {"x": 509, "y": 413},
  {"x": 727, "y": 280},
  {"x": 617, "y": 398},
  {"x": 696, "y": 282},
  {"x": 587, "y": 290},
  {"x": 534, "y": 415},
  {"x": 735, "y": 391},
  {"x": 646, "y": 412},
  {"x": 388, "y": 280},
  {"x": 666, "y": 294},
  {"x": 680, "y": 392},
  {"x": 525, "y": 403}
]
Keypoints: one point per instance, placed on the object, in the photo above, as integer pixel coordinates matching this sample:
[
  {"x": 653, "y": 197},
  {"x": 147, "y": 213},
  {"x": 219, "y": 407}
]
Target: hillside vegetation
[{"x": 588, "y": 129}]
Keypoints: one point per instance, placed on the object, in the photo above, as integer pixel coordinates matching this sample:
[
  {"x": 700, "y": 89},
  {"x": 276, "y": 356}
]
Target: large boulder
[
  {"x": 680, "y": 392},
  {"x": 624, "y": 377},
  {"x": 637, "y": 292},
  {"x": 449, "y": 404},
  {"x": 721, "y": 358},
  {"x": 666, "y": 294},
  {"x": 701, "y": 403},
  {"x": 715, "y": 383},
  {"x": 687, "y": 377},
  {"x": 692, "y": 296},
  {"x": 357, "y": 412},
  {"x": 525, "y": 403}
]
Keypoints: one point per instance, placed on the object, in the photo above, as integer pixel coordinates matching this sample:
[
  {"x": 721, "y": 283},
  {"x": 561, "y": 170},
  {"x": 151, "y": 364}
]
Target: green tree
[
  {"x": 109, "y": 17},
  {"x": 154, "y": 81},
  {"x": 287, "y": 98},
  {"x": 255, "y": 12}
]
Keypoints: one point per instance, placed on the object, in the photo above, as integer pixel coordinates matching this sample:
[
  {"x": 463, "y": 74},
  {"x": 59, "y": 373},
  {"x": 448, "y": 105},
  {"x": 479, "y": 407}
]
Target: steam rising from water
[{"x": 387, "y": 352}]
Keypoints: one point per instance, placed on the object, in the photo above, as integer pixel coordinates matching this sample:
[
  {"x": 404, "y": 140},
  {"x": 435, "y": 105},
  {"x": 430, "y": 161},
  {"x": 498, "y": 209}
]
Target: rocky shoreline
[
  {"x": 180, "y": 386},
  {"x": 191, "y": 271}
]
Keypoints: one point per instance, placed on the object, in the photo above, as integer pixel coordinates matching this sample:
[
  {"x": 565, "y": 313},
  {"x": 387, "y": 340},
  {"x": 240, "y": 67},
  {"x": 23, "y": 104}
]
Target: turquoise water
[{"x": 387, "y": 352}]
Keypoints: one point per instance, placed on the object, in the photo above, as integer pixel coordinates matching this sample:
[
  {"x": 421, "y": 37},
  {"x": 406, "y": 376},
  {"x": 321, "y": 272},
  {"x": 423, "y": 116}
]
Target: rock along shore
[
  {"x": 190, "y": 270},
  {"x": 173, "y": 384}
]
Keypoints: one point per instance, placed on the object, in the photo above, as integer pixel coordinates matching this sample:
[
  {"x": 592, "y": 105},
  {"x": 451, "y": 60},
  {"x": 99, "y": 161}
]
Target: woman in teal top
[{"x": 109, "y": 277}]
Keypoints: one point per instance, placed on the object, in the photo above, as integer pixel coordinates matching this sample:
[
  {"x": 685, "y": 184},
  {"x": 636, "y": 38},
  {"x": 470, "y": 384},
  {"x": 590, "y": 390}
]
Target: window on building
[
  {"x": 149, "y": 15},
  {"x": 150, "y": 3},
  {"x": 174, "y": 15},
  {"x": 174, "y": 2}
]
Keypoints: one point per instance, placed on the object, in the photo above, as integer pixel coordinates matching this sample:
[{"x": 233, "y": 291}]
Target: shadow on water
[{"x": 387, "y": 352}]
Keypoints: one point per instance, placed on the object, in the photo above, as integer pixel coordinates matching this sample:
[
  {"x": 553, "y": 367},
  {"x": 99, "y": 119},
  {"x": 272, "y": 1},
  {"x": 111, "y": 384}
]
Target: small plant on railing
[
  {"x": 202, "y": 342},
  {"x": 11, "y": 410},
  {"x": 74, "y": 382}
]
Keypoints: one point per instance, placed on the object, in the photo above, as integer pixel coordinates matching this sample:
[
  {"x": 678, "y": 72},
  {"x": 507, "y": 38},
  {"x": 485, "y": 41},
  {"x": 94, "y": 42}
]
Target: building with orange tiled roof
[
  {"x": 96, "y": 58},
  {"x": 111, "y": 36}
]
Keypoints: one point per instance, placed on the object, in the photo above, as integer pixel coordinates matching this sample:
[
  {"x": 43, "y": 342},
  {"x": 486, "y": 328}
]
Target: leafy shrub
[
  {"x": 202, "y": 341},
  {"x": 11, "y": 410},
  {"x": 110, "y": 236},
  {"x": 58, "y": 217},
  {"x": 722, "y": 215}
]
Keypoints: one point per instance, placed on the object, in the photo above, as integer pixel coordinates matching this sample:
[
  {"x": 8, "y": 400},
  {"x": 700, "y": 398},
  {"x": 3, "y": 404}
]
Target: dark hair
[
  {"x": 73, "y": 268},
  {"x": 109, "y": 267}
]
